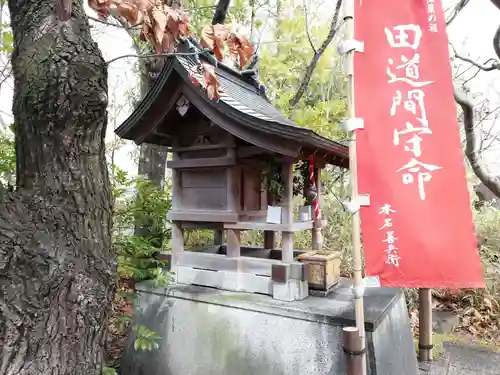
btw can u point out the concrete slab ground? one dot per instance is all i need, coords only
(461, 359)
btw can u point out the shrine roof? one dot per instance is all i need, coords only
(243, 101)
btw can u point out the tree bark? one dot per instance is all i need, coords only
(56, 263)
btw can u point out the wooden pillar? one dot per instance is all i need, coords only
(177, 241)
(233, 204)
(176, 185)
(177, 231)
(270, 235)
(317, 236)
(233, 184)
(218, 237)
(425, 325)
(269, 239)
(287, 206)
(233, 243)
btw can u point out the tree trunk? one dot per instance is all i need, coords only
(56, 263)
(152, 158)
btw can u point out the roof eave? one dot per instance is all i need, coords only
(127, 129)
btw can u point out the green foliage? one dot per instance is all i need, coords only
(136, 259)
(282, 66)
(149, 206)
(6, 38)
(122, 321)
(272, 179)
(145, 212)
(108, 371)
(145, 339)
(7, 157)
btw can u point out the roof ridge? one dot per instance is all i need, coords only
(246, 75)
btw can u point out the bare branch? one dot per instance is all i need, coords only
(458, 8)
(121, 25)
(152, 56)
(306, 18)
(317, 55)
(487, 66)
(471, 144)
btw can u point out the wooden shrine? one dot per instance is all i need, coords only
(219, 151)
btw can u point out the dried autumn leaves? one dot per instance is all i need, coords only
(215, 36)
(163, 25)
(240, 49)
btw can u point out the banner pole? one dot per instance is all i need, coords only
(348, 17)
(425, 324)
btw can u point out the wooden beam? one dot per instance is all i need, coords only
(161, 135)
(253, 215)
(203, 215)
(197, 147)
(220, 262)
(248, 151)
(283, 159)
(202, 225)
(253, 163)
(223, 161)
(252, 225)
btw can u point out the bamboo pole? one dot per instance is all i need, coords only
(348, 10)
(352, 347)
(425, 325)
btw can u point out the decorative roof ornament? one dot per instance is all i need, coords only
(182, 105)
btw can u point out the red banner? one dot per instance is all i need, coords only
(418, 229)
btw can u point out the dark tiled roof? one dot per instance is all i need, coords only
(239, 93)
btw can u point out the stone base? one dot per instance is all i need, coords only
(291, 290)
(206, 331)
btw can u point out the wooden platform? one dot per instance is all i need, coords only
(252, 225)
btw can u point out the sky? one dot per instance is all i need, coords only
(471, 34)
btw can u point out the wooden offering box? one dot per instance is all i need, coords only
(324, 269)
(220, 150)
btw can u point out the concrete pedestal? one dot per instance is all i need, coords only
(212, 332)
